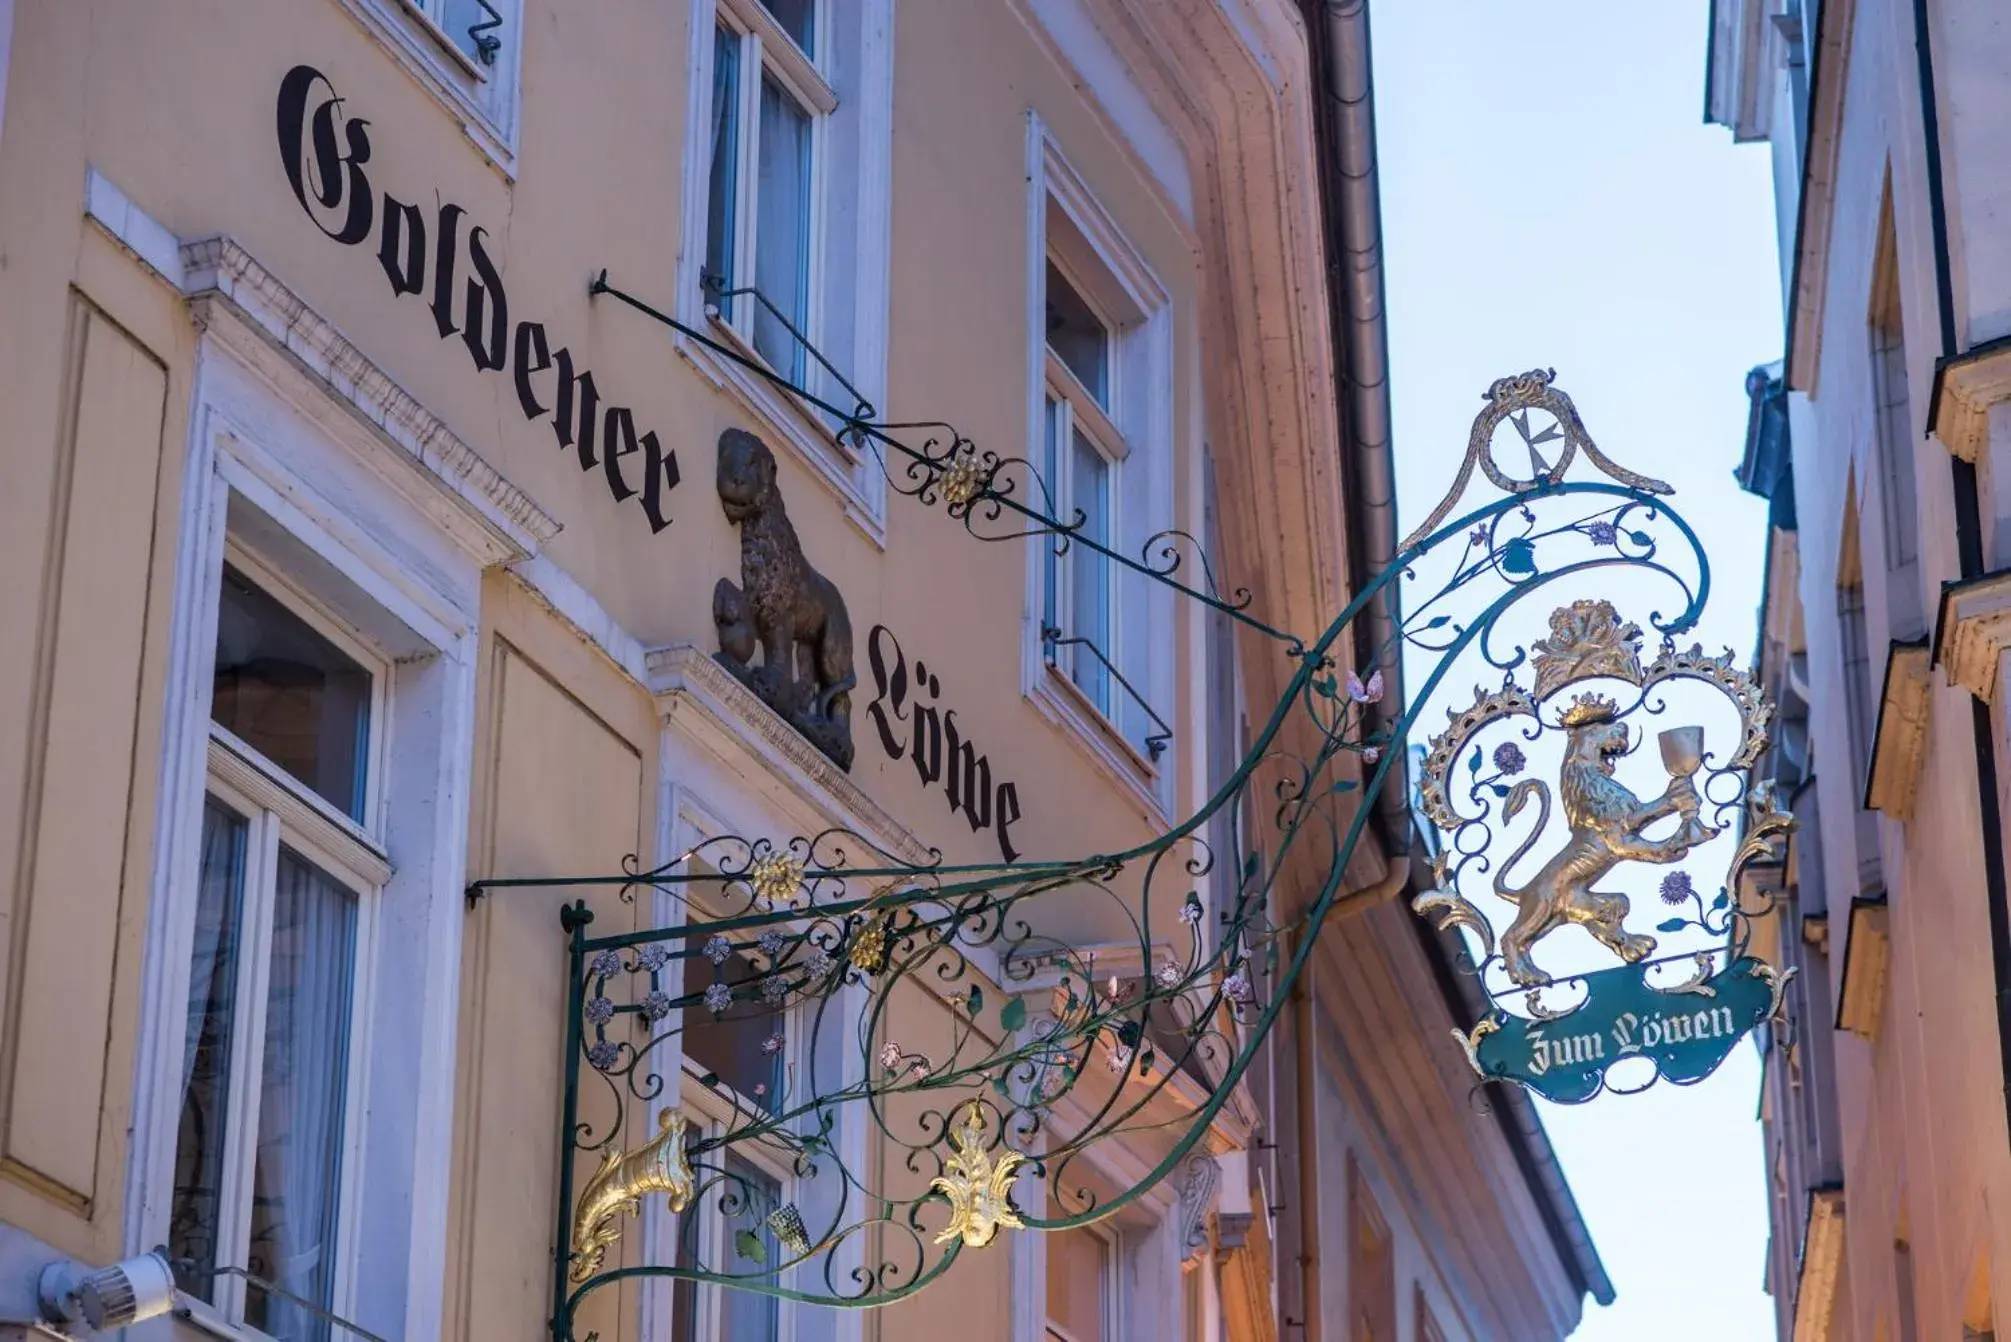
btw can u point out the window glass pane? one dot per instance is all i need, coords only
(782, 229)
(199, 1141)
(290, 694)
(467, 22)
(1089, 594)
(298, 1165)
(1077, 335)
(1050, 562)
(722, 209)
(798, 19)
(1078, 1273)
(747, 1196)
(736, 1046)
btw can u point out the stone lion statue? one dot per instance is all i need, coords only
(784, 607)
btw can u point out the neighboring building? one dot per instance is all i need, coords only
(357, 552)
(1883, 443)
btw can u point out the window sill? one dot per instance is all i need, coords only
(203, 1318)
(440, 67)
(1061, 703)
(852, 478)
(443, 42)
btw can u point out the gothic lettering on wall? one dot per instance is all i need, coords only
(912, 724)
(792, 613)
(447, 261)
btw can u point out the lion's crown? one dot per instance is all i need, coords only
(1587, 709)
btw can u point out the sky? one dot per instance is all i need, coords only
(1552, 198)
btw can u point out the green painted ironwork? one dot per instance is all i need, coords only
(1058, 1047)
(1682, 1035)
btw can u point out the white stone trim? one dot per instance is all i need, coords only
(1967, 391)
(703, 701)
(134, 229)
(1899, 743)
(224, 281)
(1975, 633)
(276, 462)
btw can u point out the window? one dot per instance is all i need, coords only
(1081, 1295)
(1083, 453)
(465, 53)
(1372, 1286)
(787, 218)
(736, 1063)
(1892, 429)
(286, 877)
(1860, 698)
(1101, 637)
(768, 98)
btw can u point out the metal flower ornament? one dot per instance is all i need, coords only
(957, 1049)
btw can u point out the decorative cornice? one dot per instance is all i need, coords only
(220, 277)
(1821, 1267)
(1973, 631)
(1965, 390)
(1861, 999)
(1900, 741)
(691, 689)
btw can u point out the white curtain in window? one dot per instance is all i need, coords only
(782, 227)
(722, 210)
(199, 1142)
(300, 1103)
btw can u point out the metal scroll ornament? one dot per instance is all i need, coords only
(925, 1057)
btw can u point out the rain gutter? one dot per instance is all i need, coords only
(1345, 135)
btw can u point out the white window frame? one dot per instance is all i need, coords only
(1134, 429)
(315, 507)
(1144, 1296)
(848, 89)
(483, 96)
(278, 809)
(1111, 1327)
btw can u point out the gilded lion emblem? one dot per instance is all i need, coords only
(1606, 829)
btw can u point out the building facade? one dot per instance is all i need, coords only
(1881, 440)
(368, 545)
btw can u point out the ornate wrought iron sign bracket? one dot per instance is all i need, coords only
(931, 1011)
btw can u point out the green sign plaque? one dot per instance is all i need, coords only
(1686, 1031)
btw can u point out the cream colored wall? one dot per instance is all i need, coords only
(174, 103)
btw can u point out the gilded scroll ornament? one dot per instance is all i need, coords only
(1587, 638)
(979, 1191)
(618, 1187)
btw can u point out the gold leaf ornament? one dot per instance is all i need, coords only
(979, 1192)
(618, 1186)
